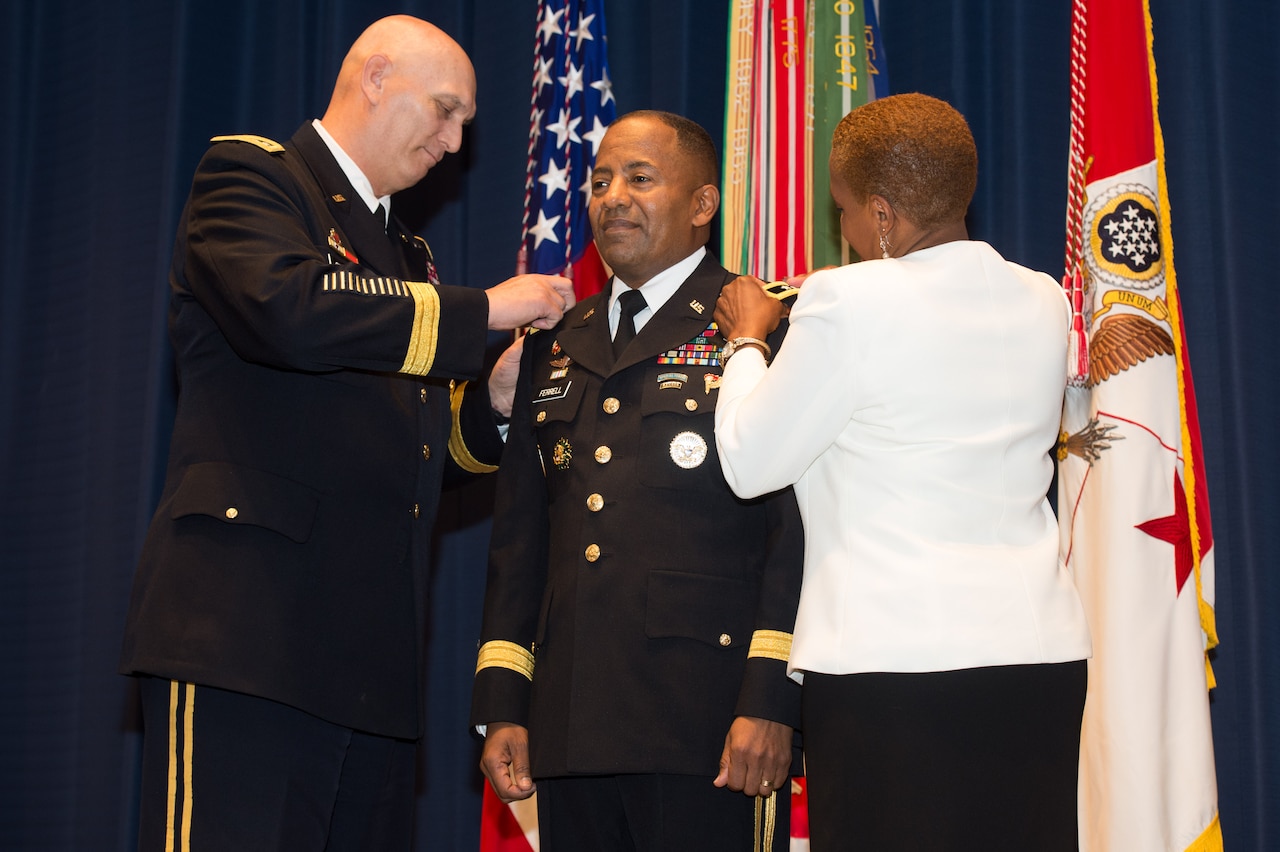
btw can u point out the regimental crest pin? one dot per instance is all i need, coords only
(335, 243)
(710, 381)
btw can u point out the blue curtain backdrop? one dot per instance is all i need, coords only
(107, 107)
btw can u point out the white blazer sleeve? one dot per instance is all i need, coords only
(772, 421)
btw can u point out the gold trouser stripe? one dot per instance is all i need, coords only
(773, 644)
(766, 822)
(171, 798)
(421, 354)
(505, 655)
(457, 445)
(172, 840)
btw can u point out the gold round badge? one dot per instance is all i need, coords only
(688, 450)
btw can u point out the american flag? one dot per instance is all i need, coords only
(571, 105)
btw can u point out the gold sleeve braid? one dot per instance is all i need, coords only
(505, 655)
(457, 445)
(772, 644)
(421, 352)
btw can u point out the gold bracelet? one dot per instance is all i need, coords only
(738, 342)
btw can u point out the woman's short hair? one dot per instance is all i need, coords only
(915, 150)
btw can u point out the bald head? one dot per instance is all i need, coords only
(403, 95)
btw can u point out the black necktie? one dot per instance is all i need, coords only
(632, 303)
(383, 218)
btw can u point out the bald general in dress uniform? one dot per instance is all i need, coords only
(638, 616)
(278, 611)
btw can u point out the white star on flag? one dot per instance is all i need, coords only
(604, 86)
(555, 179)
(544, 230)
(594, 135)
(565, 127)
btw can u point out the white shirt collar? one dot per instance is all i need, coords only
(657, 290)
(360, 183)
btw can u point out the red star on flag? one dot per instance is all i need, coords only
(1175, 529)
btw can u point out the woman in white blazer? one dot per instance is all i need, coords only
(914, 407)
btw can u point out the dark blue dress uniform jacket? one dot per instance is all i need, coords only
(634, 604)
(317, 417)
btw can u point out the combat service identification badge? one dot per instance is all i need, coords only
(688, 450)
(561, 453)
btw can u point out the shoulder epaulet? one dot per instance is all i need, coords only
(782, 291)
(271, 146)
(423, 245)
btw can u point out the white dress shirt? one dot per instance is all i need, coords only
(656, 290)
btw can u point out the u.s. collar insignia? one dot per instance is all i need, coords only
(335, 243)
(697, 306)
(589, 314)
(561, 454)
(688, 450)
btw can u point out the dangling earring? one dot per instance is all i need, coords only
(884, 246)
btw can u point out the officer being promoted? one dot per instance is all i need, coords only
(638, 615)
